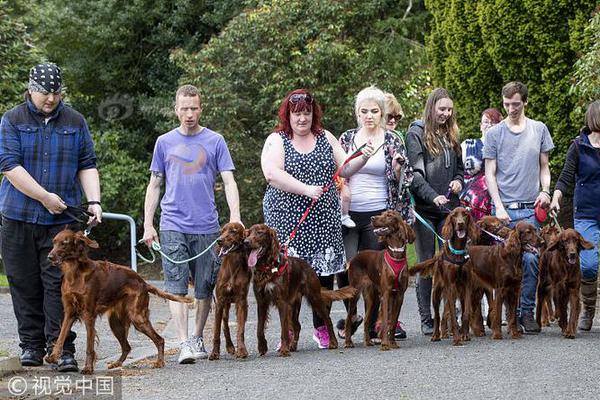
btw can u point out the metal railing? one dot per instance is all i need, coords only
(132, 234)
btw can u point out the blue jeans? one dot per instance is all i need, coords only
(530, 262)
(588, 259)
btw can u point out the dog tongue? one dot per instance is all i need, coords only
(461, 234)
(253, 258)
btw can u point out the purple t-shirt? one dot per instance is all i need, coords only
(190, 165)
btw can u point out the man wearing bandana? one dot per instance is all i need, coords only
(47, 158)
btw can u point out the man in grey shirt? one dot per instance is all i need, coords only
(516, 153)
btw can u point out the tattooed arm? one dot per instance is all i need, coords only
(150, 204)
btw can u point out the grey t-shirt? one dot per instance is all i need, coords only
(517, 158)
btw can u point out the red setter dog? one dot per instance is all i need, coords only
(547, 235)
(233, 282)
(499, 267)
(92, 288)
(487, 225)
(451, 279)
(560, 275)
(381, 274)
(283, 281)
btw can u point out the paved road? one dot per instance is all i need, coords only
(543, 366)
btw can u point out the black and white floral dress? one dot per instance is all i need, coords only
(319, 239)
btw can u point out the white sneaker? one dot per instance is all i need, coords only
(186, 354)
(197, 345)
(347, 221)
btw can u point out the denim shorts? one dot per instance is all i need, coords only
(203, 270)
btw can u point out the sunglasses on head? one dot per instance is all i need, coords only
(298, 97)
(396, 117)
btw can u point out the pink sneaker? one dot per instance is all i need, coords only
(321, 336)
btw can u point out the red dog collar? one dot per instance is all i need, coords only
(396, 265)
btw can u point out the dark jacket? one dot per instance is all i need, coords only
(582, 172)
(432, 175)
(52, 152)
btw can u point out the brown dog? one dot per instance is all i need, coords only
(92, 288)
(233, 282)
(499, 267)
(381, 274)
(488, 225)
(560, 275)
(283, 281)
(547, 235)
(451, 278)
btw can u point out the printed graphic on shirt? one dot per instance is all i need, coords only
(191, 159)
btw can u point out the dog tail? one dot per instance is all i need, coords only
(423, 268)
(168, 296)
(344, 293)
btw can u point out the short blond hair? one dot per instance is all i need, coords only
(392, 107)
(371, 93)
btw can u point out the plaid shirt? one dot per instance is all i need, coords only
(52, 152)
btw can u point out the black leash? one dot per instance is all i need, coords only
(82, 215)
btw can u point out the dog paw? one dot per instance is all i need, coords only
(393, 345)
(445, 335)
(158, 364)
(457, 343)
(385, 347)
(348, 345)
(213, 356)
(284, 353)
(262, 347)
(241, 353)
(497, 336)
(51, 358)
(87, 371)
(294, 346)
(115, 364)
(230, 349)
(435, 338)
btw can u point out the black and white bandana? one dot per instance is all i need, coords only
(45, 78)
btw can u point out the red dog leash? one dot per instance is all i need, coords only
(356, 154)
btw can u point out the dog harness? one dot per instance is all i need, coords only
(397, 266)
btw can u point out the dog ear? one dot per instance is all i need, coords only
(584, 244)
(448, 226)
(554, 243)
(274, 244)
(472, 229)
(410, 233)
(86, 240)
(514, 241)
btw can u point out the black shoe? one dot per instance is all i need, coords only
(400, 333)
(32, 358)
(341, 326)
(529, 324)
(67, 363)
(427, 327)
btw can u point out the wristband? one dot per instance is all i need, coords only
(547, 192)
(89, 203)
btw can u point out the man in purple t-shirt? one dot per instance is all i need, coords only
(188, 159)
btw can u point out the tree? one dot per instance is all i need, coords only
(477, 46)
(17, 55)
(333, 48)
(586, 84)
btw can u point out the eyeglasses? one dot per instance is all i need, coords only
(298, 97)
(396, 117)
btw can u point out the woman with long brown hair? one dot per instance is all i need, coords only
(434, 153)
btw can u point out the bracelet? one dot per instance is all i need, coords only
(547, 192)
(89, 203)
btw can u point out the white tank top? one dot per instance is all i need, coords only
(369, 185)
